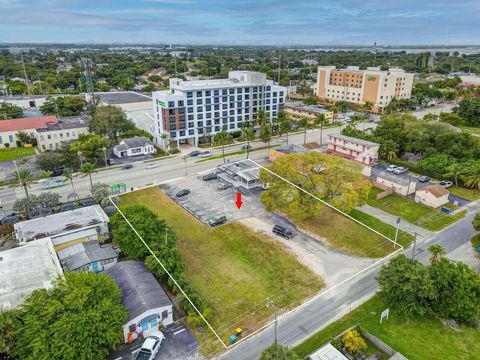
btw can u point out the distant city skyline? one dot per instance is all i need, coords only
(242, 22)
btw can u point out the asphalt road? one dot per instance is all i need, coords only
(332, 305)
(166, 169)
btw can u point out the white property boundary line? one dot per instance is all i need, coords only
(287, 313)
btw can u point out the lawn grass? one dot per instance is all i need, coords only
(15, 153)
(409, 210)
(472, 130)
(233, 269)
(349, 236)
(421, 338)
(469, 194)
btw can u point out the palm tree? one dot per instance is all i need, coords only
(454, 171)
(476, 222)
(222, 138)
(473, 178)
(437, 252)
(304, 123)
(24, 177)
(68, 175)
(88, 169)
(248, 135)
(166, 142)
(321, 120)
(266, 134)
(262, 117)
(45, 174)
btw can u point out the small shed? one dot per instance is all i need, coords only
(147, 303)
(432, 195)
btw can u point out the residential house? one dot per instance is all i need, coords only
(400, 185)
(138, 145)
(66, 228)
(27, 268)
(432, 195)
(297, 110)
(365, 152)
(87, 256)
(10, 128)
(67, 129)
(147, 303)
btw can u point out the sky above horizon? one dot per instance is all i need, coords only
(261, 22)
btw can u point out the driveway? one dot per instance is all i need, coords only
(179, 344)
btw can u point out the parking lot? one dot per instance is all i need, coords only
(205, 201)
(179, 344)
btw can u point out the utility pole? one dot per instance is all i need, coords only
(271, 303)
(399, 219)
(279, 66)
(375, 54)
(87, 64)
(25, 75)
(414, 246)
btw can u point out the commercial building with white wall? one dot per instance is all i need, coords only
(360, 86)
(191, 110)
(67, 129)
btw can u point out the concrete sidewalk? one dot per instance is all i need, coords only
(422, 234)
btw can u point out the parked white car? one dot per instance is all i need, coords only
(390, 168)
(151, 346)
(400, 170)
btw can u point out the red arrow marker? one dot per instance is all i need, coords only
(239, 201)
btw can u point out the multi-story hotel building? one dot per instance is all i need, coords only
(360, 86)
(192, 110)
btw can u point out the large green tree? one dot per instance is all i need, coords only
(23, 177)
(469, 110)
(90, 146)
(407, 286)
(10, 111)
(81, 317)
(49, 160)
(64, 106)
(221, 139)
(328, 178)
(248, 134)
(110, 121)
(458, 288)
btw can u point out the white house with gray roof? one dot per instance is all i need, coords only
(147, 303)
(136, 146)
(87, 256)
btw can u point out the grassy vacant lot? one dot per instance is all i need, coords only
(233, 269)
(15, 153)
(472, 130)
(469, 194)
(408, 209)
(346, 235)
(422, 338)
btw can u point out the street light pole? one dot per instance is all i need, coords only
(105, 155)
(399, 219)
(414, 246)
(186, 165)
(271, 303)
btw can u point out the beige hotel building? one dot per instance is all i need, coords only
(359, 86)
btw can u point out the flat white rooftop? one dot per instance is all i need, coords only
(328, 352)
(25, 269)
(60, 223)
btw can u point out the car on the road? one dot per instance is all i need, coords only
(424, 179)
(182, 193)
(151, 346)
(282, 231)
(390, 168)
(205, 154)
(151, 166)
(400, 170)
(446, 184)
(127, 166)
(194, 153)
(217, 220)
(246, 147)
(224, 186)
(210, 176)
